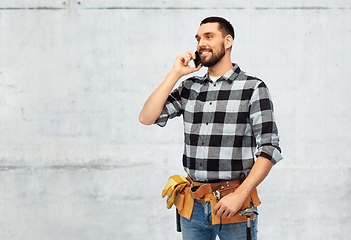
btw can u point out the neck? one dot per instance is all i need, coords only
(222, 67)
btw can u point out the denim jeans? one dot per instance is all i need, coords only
(200, 227)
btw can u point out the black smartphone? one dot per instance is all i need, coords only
(197, 60)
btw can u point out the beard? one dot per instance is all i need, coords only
(216, 57)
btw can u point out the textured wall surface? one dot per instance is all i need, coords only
(75, 163)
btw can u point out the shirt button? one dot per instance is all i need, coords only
(210, 103)
(207, 123)
(202, 143)
(214, 85)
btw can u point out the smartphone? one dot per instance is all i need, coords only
(197, 60)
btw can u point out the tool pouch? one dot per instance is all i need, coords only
(177, 190)
(184, 203)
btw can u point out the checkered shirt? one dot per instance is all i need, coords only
(226, 124)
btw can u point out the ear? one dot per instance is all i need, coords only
(228, 42)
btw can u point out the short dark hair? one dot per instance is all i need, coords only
(225, 27)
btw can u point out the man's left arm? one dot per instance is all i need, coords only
(230, 204)
(268, 151)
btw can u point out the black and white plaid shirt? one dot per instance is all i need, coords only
(226, 124)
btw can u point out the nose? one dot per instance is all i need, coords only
(201, 42)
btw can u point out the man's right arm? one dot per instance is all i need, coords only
(154, 105)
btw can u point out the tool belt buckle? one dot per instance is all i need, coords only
(217, 195)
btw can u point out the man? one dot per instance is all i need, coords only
(229, 129)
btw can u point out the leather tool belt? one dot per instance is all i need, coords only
(219, 189)
(212, 192)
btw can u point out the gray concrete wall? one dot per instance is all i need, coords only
(75, 163)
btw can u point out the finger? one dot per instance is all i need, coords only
(179, 59)
(188, 58)
(220, 212)
(216, 208)
(184, 60)
(228, 214)
(192, 54)
(224, 214)
(231, 215)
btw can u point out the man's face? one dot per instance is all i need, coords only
(210, 44)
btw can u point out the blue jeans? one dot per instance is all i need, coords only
(200, 227)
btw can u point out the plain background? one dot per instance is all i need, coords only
(75, 163)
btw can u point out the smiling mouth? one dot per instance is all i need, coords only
(205, 52)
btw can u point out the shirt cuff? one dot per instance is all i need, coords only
(271, 153)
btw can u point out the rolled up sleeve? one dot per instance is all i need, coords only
(263, 124)
(171, 109)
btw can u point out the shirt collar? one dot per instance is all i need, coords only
(229, 76)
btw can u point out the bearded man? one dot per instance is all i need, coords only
(230, 135)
